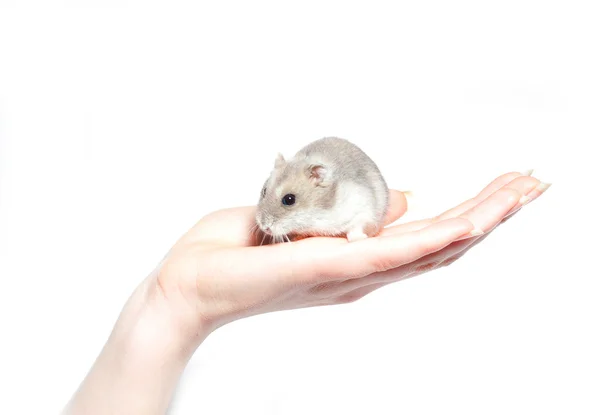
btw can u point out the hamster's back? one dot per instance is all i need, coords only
(349, 164)
(346, 158)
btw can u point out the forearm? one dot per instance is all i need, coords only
(138, 369)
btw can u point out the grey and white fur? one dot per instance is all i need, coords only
(338, 190)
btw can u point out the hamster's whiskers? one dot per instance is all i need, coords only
(278, 239)
(253, 229)
(252, 233)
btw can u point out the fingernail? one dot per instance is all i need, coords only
(542, 187)
(524, 200)
(476, 232)
(527, 172)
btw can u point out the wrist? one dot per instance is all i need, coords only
(150, 325)
(139, 367)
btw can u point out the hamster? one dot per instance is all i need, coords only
(329, 188)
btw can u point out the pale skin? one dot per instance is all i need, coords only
(216, 273)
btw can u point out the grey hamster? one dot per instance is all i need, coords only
(329, 188)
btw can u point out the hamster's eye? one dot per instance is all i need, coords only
(263, 192)
(288, 199)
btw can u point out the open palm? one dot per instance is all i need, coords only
(220, 272)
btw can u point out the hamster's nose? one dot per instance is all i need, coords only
(267, 224)
(263, 222)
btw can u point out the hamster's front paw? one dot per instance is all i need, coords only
(356, 235)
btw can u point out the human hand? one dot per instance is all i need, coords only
(218, 272)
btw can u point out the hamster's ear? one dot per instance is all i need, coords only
(279, 161)
(317, 174)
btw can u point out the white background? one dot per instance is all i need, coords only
(123, 122)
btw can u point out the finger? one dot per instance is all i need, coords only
(457, 249)
(522, 184)
(490, 189)
(353, 290)
(445, 257)
(414, 225)
(357, 259)
(427, 263)
(488, 213)
(487, 191)
(485, 216)
(539, 190)
(530, 197)
(397, 207)
(525, 186)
